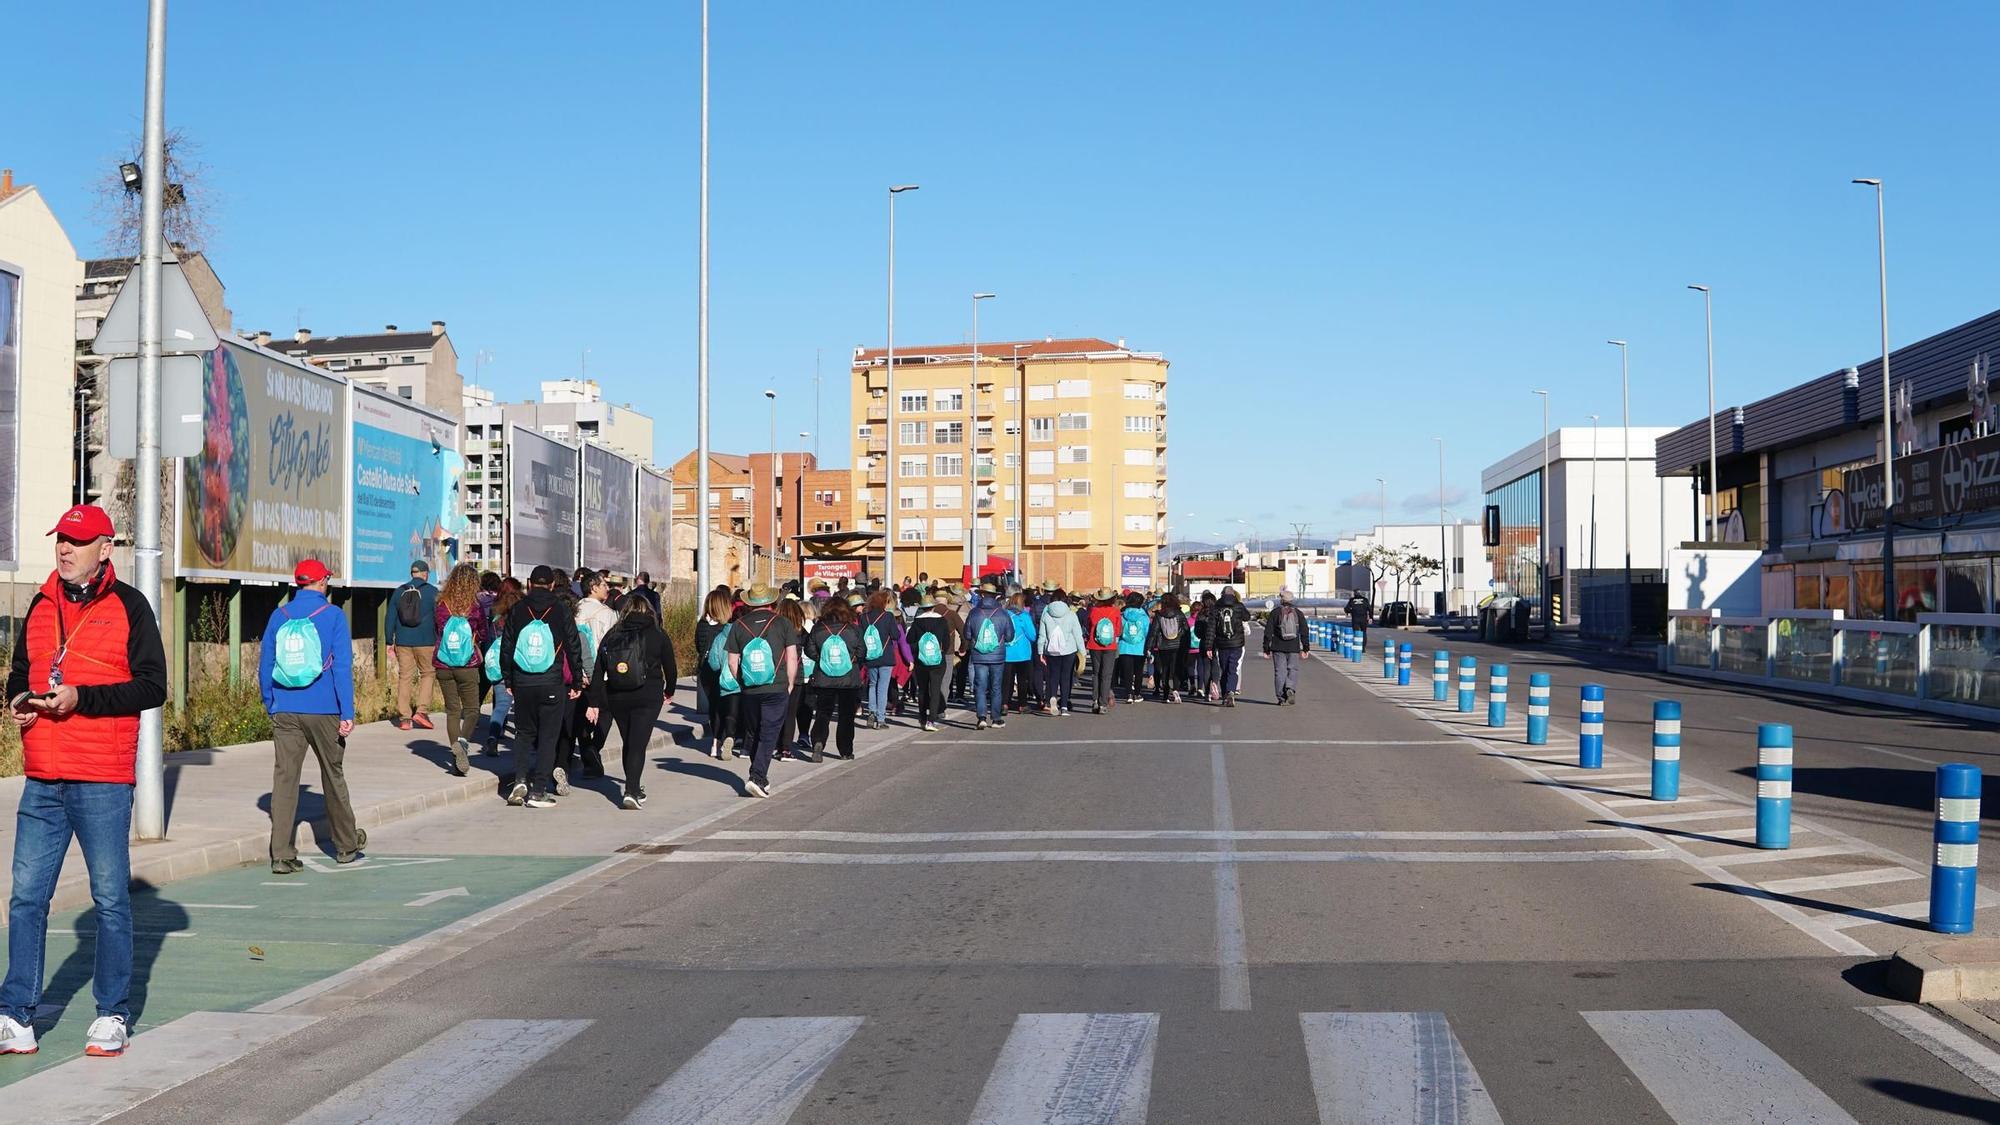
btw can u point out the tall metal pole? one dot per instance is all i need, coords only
(1382, 517)
(1625, 440)
(1714, 480)
(1020, 464)
(777, 482)
(889, 410)
(1593, 496)
(1444, 537)
(149, 807)
(799, 509)
(973, 558)
(1542, 522)
(1888, 429)
(704, 544)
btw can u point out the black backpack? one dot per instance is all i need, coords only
(1228, 630)
(623, 657)
(1288, 623)
(410, 608)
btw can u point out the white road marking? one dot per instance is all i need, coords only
(1601, 775)
(1678, 818)
(1736, 833)
(1843, 879)
(371, 863)
(1960, 1051)
(1240, 835)
(1637, 802)
(756, 1073)
(438, 896)
(837, 859)
(1072, 1069)
(161, 1059)
(1703, 1069)
(447, 1076)
(1232, 959)
(289, 883)
(1901, 912)
(214, 906)
(1370, 1067)
(135, 933)
(1778, 855)
(1142, 743)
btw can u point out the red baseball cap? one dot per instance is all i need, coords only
(84, 522)
(310, 571)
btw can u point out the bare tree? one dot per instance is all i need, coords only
(190, 200)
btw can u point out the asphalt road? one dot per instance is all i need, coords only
(1361, 908)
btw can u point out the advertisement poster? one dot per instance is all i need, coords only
(833, 570)
(10, 418)
(609, 514)
(1135, 569)
(541, 502)
(268, 487)
(656, 525)
(403, 490)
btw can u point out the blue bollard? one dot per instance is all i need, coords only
(1468, 683)
(1496, 696)
(1955, 868)
(1666, 750)
(1440, 676)
(1538, 709)
(1388, 660)
(1403, 665)
(1590, 729)
(1774, 785)
(1354, 653)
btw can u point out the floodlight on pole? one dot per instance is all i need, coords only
(1888, 408)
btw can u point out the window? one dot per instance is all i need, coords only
(1139, 390)
(1073, 520)
(1073, 486)
(1039, 393)
(404, 390)
(1138, 490)
(984, 433)
(1073, 421)
(1041, 460)
(909, 433)
(1140, 457)
(949, 497)
(950, 401)
(1041, 496)
(909, 529)
(1074, 455)
(1011, 427)
(913, 402)
(948, 465)
(1138, 423)
(947, 529)
(680, 499)
(1041, 527)
(1011, 461)
(824, 526)
(739, 494)
(948, 433)
(409, 359)
(1138, 523)
(911, 466)
(864, 432)
(1041, 429)
(910, 499)
(1073, 388)
(827, 496)
(714, 498)
(1009, 493)
(1012, 394)
(1007, 525)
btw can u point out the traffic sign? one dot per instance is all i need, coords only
(180, 406)
(184, 327)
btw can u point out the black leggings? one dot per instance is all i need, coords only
(929, 679)
(1131, 673)
(635, 721)
(1167, 671)
(836, 705)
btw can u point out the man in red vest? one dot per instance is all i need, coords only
(87, 663)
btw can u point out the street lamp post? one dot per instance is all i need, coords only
(972, 556)
(149, 808)
(1542, 530)
(1593, 496)
(889, 409)
(1625, 440)
(1444, 542)
(1714, 481)
(799, 511)
(1888, 430)
(777, 482)
(702, 541)
(1020, 463)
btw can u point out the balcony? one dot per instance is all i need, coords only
(875, 509)
(878, 445)
(878, 476)
(878, 411)
(982, 472)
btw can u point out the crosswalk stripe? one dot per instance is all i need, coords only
(1704, 1069)
(1960, 1051)
(1066, 1068)
(1392, 1066)
(755, 1073)
(1843, 879)
(447, 1076)
(1777, 855)
(1684, 817)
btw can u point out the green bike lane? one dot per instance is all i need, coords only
(232, 940)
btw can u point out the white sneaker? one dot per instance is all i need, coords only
(106, 1037)
(561, 777)
(756, 789)
(17, 1038)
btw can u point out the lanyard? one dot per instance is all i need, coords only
(63, 634)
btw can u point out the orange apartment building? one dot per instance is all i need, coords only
(741, 488)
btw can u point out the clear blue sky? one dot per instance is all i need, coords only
(1349, 227)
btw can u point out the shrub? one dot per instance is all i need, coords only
(217, 715)
(680, 619)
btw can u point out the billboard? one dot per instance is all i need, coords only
(270, 485)
(656, 525)
(10, 417)
(1135, 568)
(833, 569)
(405, 490)
(541, 502)
(609, 515)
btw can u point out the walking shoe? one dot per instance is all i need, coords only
(360, 841)
(931, 727)
(980, 725)
(1001, 721)
(422, 720)
(106, 1037)
(491, 748)
(1229, 700)
(461, 762)
(561, 777)
(736, 749)
(819, 753)
(517, 794)
(541, 801)
(848, 756)
(630, 802)
(17, 1038)
(756, 788)
(402, 724)
(641, 798)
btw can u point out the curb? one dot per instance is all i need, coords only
(1947, 971)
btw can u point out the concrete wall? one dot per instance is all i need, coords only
(1715, 578)
(32, 241)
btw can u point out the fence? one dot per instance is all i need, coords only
(1943, 662)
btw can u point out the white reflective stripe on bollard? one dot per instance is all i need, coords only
(1958, 808)
(1593, 728)
(1774, 755)
(1666, 726)
(1666, 753)
(1958, 855)
(1774, 789)
(1538, 709)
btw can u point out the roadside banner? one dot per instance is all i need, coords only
(541, 502)
(269, 486)
(1135, 568)
(656, 524)
(833, 570)
(405, 489)
(609, 515)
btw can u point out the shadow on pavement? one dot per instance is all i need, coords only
(1941, 1101)
(1906, 788)
(153, 918)
(1818, 904)
(702, 769)
(1871, 977)
(1677, 833)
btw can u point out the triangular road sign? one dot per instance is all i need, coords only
(183, 326)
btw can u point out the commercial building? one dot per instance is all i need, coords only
(746, 491)
(1800, 496)
(1064, 440)
(1455, 546)
(39, 275)
(419, 367)
(1582, 541)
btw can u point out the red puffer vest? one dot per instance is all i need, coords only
(81, 747)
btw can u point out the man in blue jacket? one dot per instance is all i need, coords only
(988, 621)
(318, 715)
(413, 639)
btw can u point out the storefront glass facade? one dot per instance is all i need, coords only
(1517, 561)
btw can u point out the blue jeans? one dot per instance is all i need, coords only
(879, 680)
(99, 815)
(986, 700)
(503, 702)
